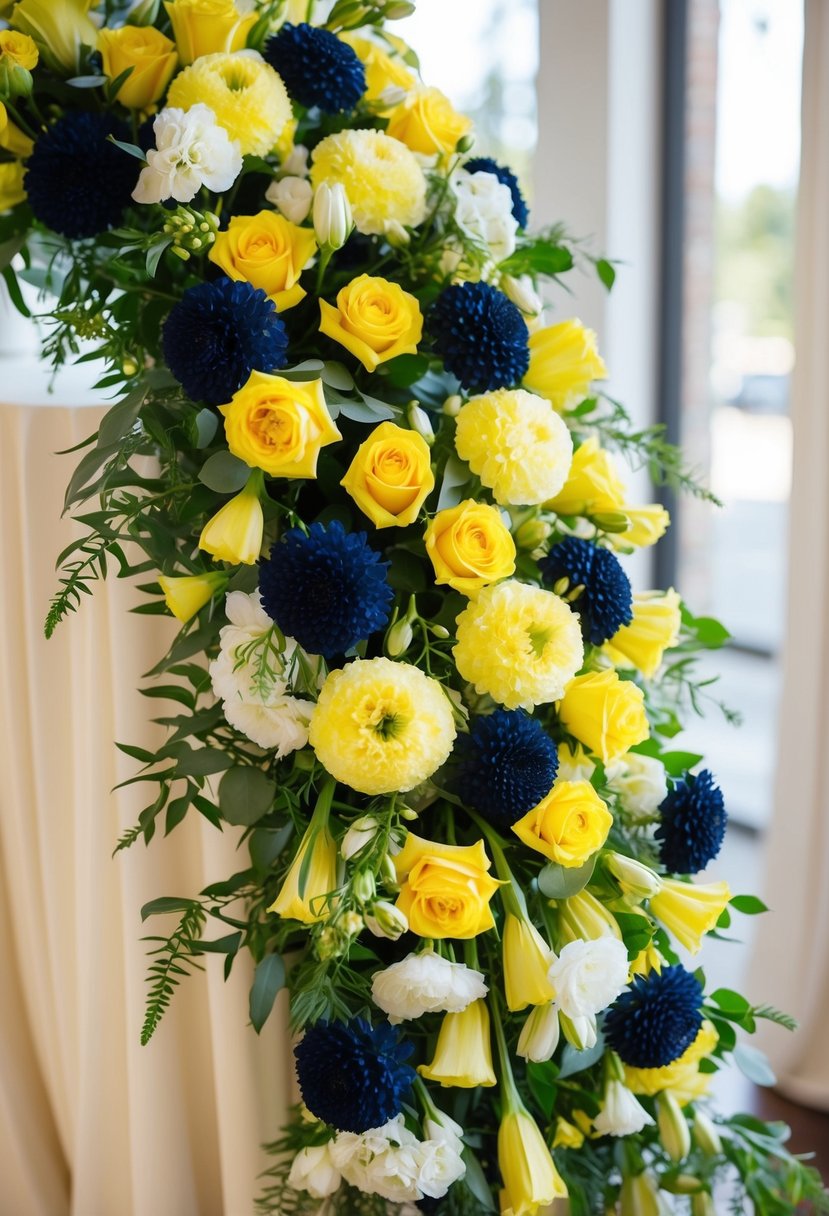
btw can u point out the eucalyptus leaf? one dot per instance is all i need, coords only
(224, 473)
(338, 376)
(245, 795)
(369, 410)
(268, 979)
(574, 1061)
(560, 882)
(455, 477)
(754, 1064)
(207, 423)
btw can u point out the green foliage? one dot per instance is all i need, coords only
(173, 959)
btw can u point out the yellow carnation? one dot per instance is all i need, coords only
(374, 319)
(683, 1077)
(653, 630)
(593, 485)
(445, 888)
(470, 546)
(568, 825)
(245, 93)
(267, 251)
(427, 122)
(279, 425)
(150, 55)
(19, 49)
(564, 360)
(515, 443)
(11, 184)
(519, 644)
(381, 726)
(385, 185)
(605, 713)
(382, 71)
(206, 27)
(390, 476)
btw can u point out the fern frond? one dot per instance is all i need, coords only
(174, 960)
(771, 1014)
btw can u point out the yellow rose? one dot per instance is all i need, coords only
(568, 825)
(12, 138)
(653, 630)
(204, 27)
(11, 184)
(279, 425)
(592, 486)
(267, 251)
(151, 56)
(19, 48)
(469, 546)
(564, 360)
(60, 28)
(428, 123)
(463, 1054)
(374, 319)
(390, 477)
(445, 888)
(382, 71)
(605, 713)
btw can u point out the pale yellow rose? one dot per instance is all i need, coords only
(20, 49)
(11, 184)
(390, 476)
(427, 122)
(593, 485)
(470, 546)
(279, 425)
(445, 888)
(605, 713)
(374, 319)
(267, 251)
(151, 56)
(205, 27)
(568, 825)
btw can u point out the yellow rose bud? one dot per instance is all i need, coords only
(309, 905)
(374, 319)
(584, 917)
(653, 630)
(463, 1054)
(568, 825)
(645, 525)
(527, 960)
(11, 184)
(279, 425)
(19, 49)
(564, 360)
(151, 56)
(267, 251)
(446, 888)
(391, 476)
(530, 1177)
(234, 534)
(605, 713)
(203, 27)
(690, 910)
(59, 28)
(187, 593)
(382, 71)
(427, 122)
(470, 546)
(593, 484)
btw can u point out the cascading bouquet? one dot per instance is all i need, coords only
(411, 667)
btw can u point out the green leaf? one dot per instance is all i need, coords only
(474, 1180)
(207, 423)
(573, 1061)
(220, 945)
(606, 273)
(201, 762)
(369, 410)
(10, 248)
(245, 795)
(267, 981)
(224, 473)
(404, 370)
(754, 1064)
(730, 1001)
(131, 149)
(560, 882)
(538, 257)
(265, 845)
(749, 905)
(154, 255)
(87, 82)
(336, 375)
(455, 477)
(167, 903)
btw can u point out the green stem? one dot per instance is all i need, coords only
(512, 1099)
(511, 894)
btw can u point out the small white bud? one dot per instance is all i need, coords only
(452, 406)
(539, 1034)
(361, 833)
(637, 881)
(420, 421)
(292, 197)
(332, 215)
(296, 163)
(674, 1132)
(364, 887)
(384, 920)
(706, 1134)
(522, 293)
(399, 638)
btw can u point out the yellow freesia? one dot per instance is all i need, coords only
(593, 485)
(653, 630)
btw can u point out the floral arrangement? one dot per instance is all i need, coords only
(382, 500)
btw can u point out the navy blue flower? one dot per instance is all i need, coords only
(328, 589)
(606, 603)
(506, 765)
(485, 164)
(78, 182)
(352, 1075)
(480, 335)
(219, 333)
(693, 824)
(317, 67)
(659, 1016)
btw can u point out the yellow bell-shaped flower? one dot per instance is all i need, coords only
(690, 910)
(463, 1054)
(585, 917)
(653, 630)
(307, 904)
(527, 959)
(185, 594)
(564, 360)
(530, 1177)
(234, 534)
(646, 525)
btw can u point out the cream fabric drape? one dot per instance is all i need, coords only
(791, 963)
(91, 1123)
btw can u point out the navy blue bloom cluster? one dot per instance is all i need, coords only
(352, 1075)
(506, 765)
(327, 589)
(480, 335)
(318, 69)
(78, 182)
(653, 1023)
(217, 334)
(606, 603)
(485, 164)
(693, 824)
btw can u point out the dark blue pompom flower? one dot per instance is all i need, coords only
(606, 603)
(480, 335)
(507, 764)
(317, 68)
(219, 333)
(484, 164)
(327, 589)
(659, 1016)
(78, 183)
(693, 824)
(352, 1075)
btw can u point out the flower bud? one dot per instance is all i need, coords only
(398, 9)
(702, 1205)
(186, 594)
(361, 833)
(396, 234)
(144, 13)
(466, 142)
(332, 215)
(440, 631)
(532, 533)
(384, 920)
(409, 813)
(522, 293)
(640, 1197)
(539, 1035)
(681, 1184)
(674, 1132)
(637, 881)
(706, 1135)
(392, 96)
(364, 887)
(292, 197)
(579, 1032)
(452, 406)
(296, 163)
(420, 421)
(15, 80)
(611, 521)
(399, 638)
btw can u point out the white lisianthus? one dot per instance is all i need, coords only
(425, 983)
(539, 1034)
(191, 151)
(588, 975)
(393, 1174)
(292, 197)
(440, 1126)
(314, 1171)
(640, 783)
(381, 1161)
(622, 1114)
(439, 1165)
(484, 212)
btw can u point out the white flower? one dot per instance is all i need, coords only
(588, 975)
(574, 766)
(522, 293)
(191, 151)
(622, 1114)
(484, 212)
(292, 196)
(361, 833)
(385, 920)
(581, 1033)
(332, 215)
(539, 1034)
(313, 1170)
(360, 1160)
(296, 163)
(393, 1174)
(640, 783)
(443, 1127)
(439, 1165)
(425, 983)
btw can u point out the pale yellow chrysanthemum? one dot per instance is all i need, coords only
(381, 726)
(245, 93)
(382, 178)
(519, 644)
(517, 445)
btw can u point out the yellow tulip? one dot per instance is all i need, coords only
(308, 905)
(463, 1054)
(690, 910)
(527, 959)
(530, 1177)
(185, 594)
(564, 360)
(205, 27)
(234, 534)
(59, 28)
(654, 629)
(150, 55)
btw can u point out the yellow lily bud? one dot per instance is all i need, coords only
(584, 916)
(653, 630)
(690, 910)
(702, 1204)
(463, 1054)
(234, 534)
(527, 959)
(706, 1135)
(640, 1197)
(308, 906)
(673, 1127)
(564, 359)
(530, 1177)
(185, 594)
